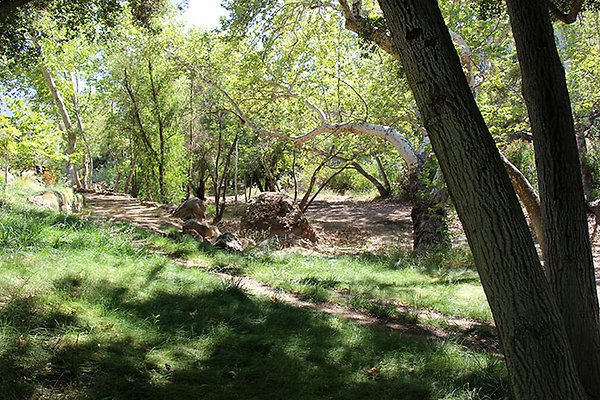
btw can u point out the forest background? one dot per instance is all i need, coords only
(285, 96)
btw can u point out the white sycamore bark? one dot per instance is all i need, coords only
(401, 144)
(70, 136)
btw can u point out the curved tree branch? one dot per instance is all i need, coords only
(364, 28)
(528, 197)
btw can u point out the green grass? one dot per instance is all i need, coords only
(450, 291)
(453, 289)
(87, 312)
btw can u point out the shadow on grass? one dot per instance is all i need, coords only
(222, 344)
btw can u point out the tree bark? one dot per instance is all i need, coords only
(383, 175)
(538, 355)
(71, 136)
(567, 246)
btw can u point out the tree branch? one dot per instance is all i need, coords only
(365, 29)
(138, 118)
(568, 18)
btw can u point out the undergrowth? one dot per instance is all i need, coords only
(87, 311)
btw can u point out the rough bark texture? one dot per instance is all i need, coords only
(538, 355)
(567, 247)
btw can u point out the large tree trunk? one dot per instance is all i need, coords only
(538, 355)
(567, 246)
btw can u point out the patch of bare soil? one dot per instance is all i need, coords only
(349, 225)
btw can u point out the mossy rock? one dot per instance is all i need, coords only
(64, 199)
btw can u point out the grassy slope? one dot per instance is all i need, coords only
(85, 312)
(446, 283)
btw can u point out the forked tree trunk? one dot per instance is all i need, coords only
(538, 355)
(567, 246)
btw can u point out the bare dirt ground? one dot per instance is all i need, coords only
(343, 224)
(352, 225)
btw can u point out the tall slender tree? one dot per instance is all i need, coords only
(567, 246)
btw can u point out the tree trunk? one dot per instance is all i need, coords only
(428, 215)
(384, 193)
(538, 355)
(294, 175)
(223, 183)
(567, 246)
(201, 188)
(383, 175)
(235, 178)
(71, 136)
(311, 184)
(586, 172)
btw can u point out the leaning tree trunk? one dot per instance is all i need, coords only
(528, 197)
(567, 246)
(538, 355)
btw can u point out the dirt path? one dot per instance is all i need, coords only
(126, 208)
